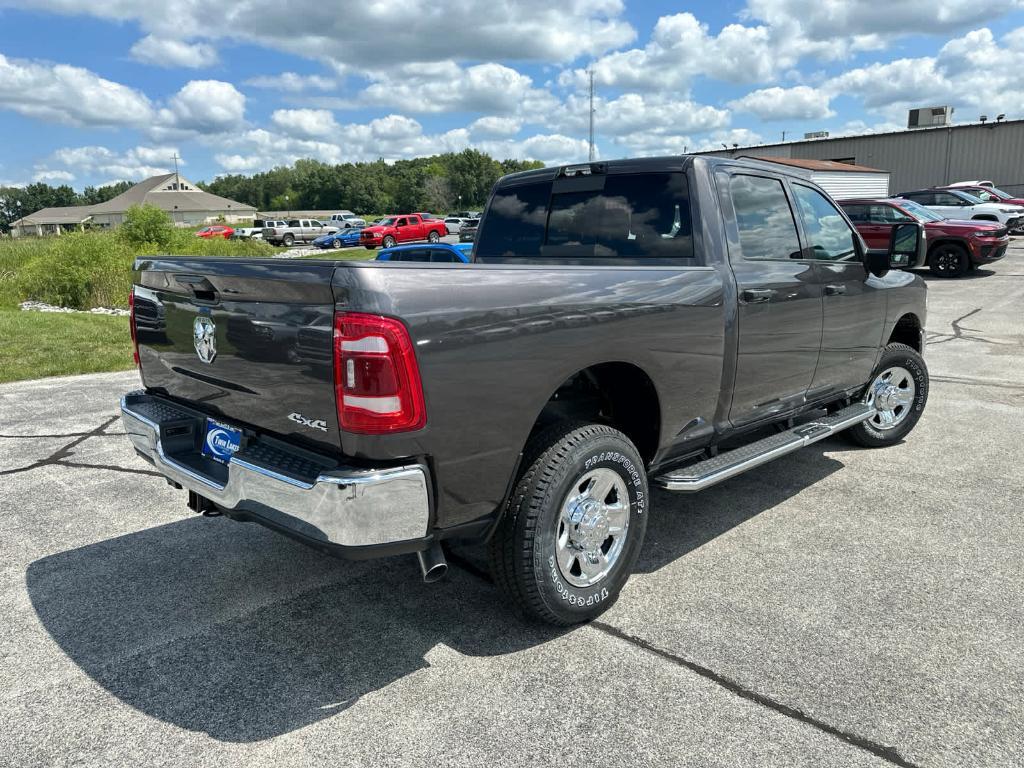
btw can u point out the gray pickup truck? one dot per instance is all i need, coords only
(288, 233)
(666, 321)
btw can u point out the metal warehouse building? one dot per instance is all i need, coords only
(924, 157)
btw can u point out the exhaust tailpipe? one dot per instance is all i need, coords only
(432, 563)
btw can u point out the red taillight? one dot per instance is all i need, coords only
(131, 324)
(376, 378)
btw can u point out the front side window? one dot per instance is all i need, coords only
(886, 214)
(829, 237)
(402, 223)
(766, 226)
(945, 198)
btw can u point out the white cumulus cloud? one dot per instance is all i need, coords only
(171, 52)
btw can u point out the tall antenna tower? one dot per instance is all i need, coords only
(591, 73)
(177, 180)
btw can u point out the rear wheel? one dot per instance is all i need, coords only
(388, 242)
(898, 391)
(948, 260)
(575, 523)
(433, 237)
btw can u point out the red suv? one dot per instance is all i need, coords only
(953, 246)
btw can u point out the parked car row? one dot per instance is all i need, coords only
(955, 203)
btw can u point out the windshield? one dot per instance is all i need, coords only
(919, 212)
(387, 222)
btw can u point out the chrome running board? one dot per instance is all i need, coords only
(704, 474)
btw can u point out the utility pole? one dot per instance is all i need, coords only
(177, 181)
(783, 135)
(591, 73)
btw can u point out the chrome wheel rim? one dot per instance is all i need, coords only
(592, 525)
(892, 395)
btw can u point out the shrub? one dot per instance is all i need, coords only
(80, 270)
(146, 224)
(93, 269)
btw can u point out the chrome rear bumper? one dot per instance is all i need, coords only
(285, 487)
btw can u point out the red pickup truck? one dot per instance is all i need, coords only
(402, 229)
(954, 247)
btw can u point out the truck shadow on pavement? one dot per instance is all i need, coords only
(228, 629)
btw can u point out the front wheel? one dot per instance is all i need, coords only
(388, 242)
(288, 240)
(335, 243)
(948, 260)
(433, 237)
(898, 391)
(573, 528)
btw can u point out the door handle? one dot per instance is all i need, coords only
(834, 290)
(756, 295)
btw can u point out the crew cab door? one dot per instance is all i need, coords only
(853, 302)
(779, 303)
(402, 229)
(416, 229)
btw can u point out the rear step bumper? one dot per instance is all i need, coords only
(289, 489)
(704, 474)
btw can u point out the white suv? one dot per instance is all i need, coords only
(954, 204)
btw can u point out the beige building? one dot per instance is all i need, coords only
(187, 205)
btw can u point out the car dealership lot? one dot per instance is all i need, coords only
(839, 606)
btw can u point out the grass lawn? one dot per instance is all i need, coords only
(38, 344)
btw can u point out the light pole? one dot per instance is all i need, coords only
(286, 205)
(460, 202)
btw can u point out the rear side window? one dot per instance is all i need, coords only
(829, 237)
(858, 213)
(419, 254)
(766, 226)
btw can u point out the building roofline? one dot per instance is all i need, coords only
(991, 125)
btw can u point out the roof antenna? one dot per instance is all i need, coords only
(590, 72)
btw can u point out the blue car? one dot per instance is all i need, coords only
(458, 253)
(345, 238)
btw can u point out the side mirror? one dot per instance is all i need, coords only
(905, 245)
(904, 250)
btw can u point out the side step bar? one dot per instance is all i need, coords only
(704, 474)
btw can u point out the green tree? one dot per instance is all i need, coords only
(146, 224)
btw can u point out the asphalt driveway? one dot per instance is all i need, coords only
(838, 607)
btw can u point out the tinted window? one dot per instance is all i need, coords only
(514, 224)
(294, 223)
(887, 214)
(443, 255)
(945, 198)
(765, 222)
(635, 216)
(920, 212)
(828, 235)
(857, 213)
(923, 198)
(419, 254)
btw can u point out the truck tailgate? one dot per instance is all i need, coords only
(248, 341)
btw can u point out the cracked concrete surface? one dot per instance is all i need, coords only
(837, 607)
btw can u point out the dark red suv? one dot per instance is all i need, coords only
(954, 247)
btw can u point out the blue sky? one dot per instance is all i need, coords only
(96, 92)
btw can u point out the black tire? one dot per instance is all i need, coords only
(288, 240)
(433, 237)
(335, 243)
(948, 260)
(388, 242)
(872, 433)
(524, 547)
